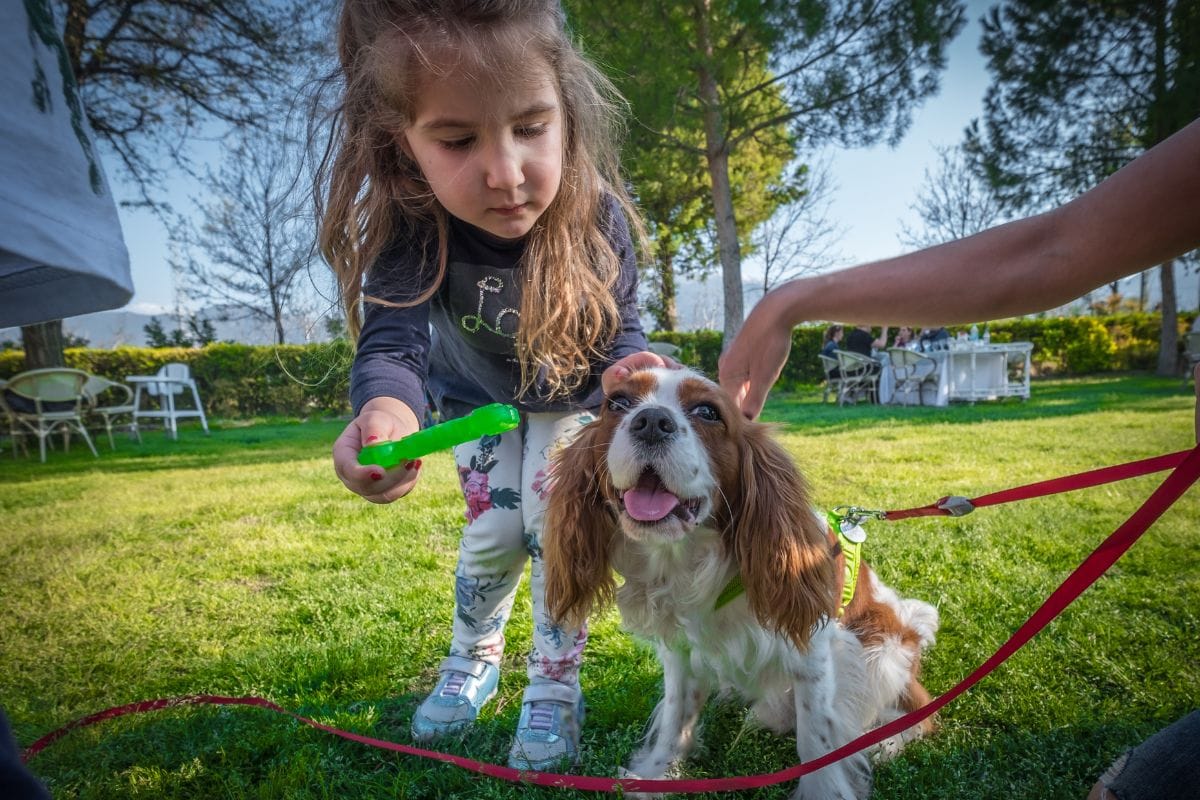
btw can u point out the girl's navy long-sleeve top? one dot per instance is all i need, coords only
(458, 347)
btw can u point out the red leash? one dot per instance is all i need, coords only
(1186, 472)
(958, 506)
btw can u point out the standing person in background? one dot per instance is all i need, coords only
(472, 185)
(1145, 213)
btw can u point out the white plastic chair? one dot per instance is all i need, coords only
(42, 401)
(911, 370)
(110, 400)
(170, 382)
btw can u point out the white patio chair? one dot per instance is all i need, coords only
(833, 383)
(110, 400)
(42, 401)
(911, 370)
(860, 376)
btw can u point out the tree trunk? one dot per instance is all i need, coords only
(717, 154)
(1168, 341)
(667, 315)
(728, 247)
(43, 343)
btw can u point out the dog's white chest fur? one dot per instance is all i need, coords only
(669, 596)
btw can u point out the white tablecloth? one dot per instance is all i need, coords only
(970, 372)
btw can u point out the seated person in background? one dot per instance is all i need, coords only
(860, 341)
(934, 339)
(904, 337)
(833, 337)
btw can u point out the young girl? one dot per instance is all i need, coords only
(472, 185)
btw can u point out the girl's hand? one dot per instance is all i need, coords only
(622, 369)
(381, 419)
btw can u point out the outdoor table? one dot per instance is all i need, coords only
(971, 371)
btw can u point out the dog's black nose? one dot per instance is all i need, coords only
(652, 425)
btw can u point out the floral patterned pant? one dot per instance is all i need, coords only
(504, 484)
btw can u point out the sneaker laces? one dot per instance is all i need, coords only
(541, 717)
(454, 684)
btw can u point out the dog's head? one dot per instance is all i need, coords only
(669, 452)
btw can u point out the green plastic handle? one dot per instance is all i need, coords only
(484, 421)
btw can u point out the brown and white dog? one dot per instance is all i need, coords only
(674, 490)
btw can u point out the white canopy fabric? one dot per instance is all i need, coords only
(61, 249)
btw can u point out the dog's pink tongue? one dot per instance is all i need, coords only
(649, 501)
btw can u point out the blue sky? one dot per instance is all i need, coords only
(873, 187)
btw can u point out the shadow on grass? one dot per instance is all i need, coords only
(262, 443)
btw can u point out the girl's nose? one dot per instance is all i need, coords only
(503, 167)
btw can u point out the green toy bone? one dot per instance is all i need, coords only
(484, 421)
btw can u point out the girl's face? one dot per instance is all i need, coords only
(493, 159)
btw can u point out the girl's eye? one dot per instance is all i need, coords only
(531, 131)
(707, 412)
(619, 404)
(458, 144)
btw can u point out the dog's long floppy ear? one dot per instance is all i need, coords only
(578, 535)
(781, 547)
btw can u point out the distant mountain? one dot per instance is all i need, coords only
(700, 305)
(106, 329)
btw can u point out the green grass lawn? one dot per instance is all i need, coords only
(238, 564)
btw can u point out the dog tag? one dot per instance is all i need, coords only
(854, 533)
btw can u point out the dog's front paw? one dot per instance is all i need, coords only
(848, 779)
(652, 765)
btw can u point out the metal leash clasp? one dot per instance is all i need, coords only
(856, 514)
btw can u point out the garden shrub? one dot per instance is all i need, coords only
(239, 380)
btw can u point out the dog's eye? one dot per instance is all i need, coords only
(619, 404)
(706, 412)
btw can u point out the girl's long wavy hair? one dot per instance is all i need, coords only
(368, 191)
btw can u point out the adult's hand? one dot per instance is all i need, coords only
(752, 362)
(622, 369)
(381, 420)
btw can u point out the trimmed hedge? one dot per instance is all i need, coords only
(1061, 345)
(234, 380)
(240, 381)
